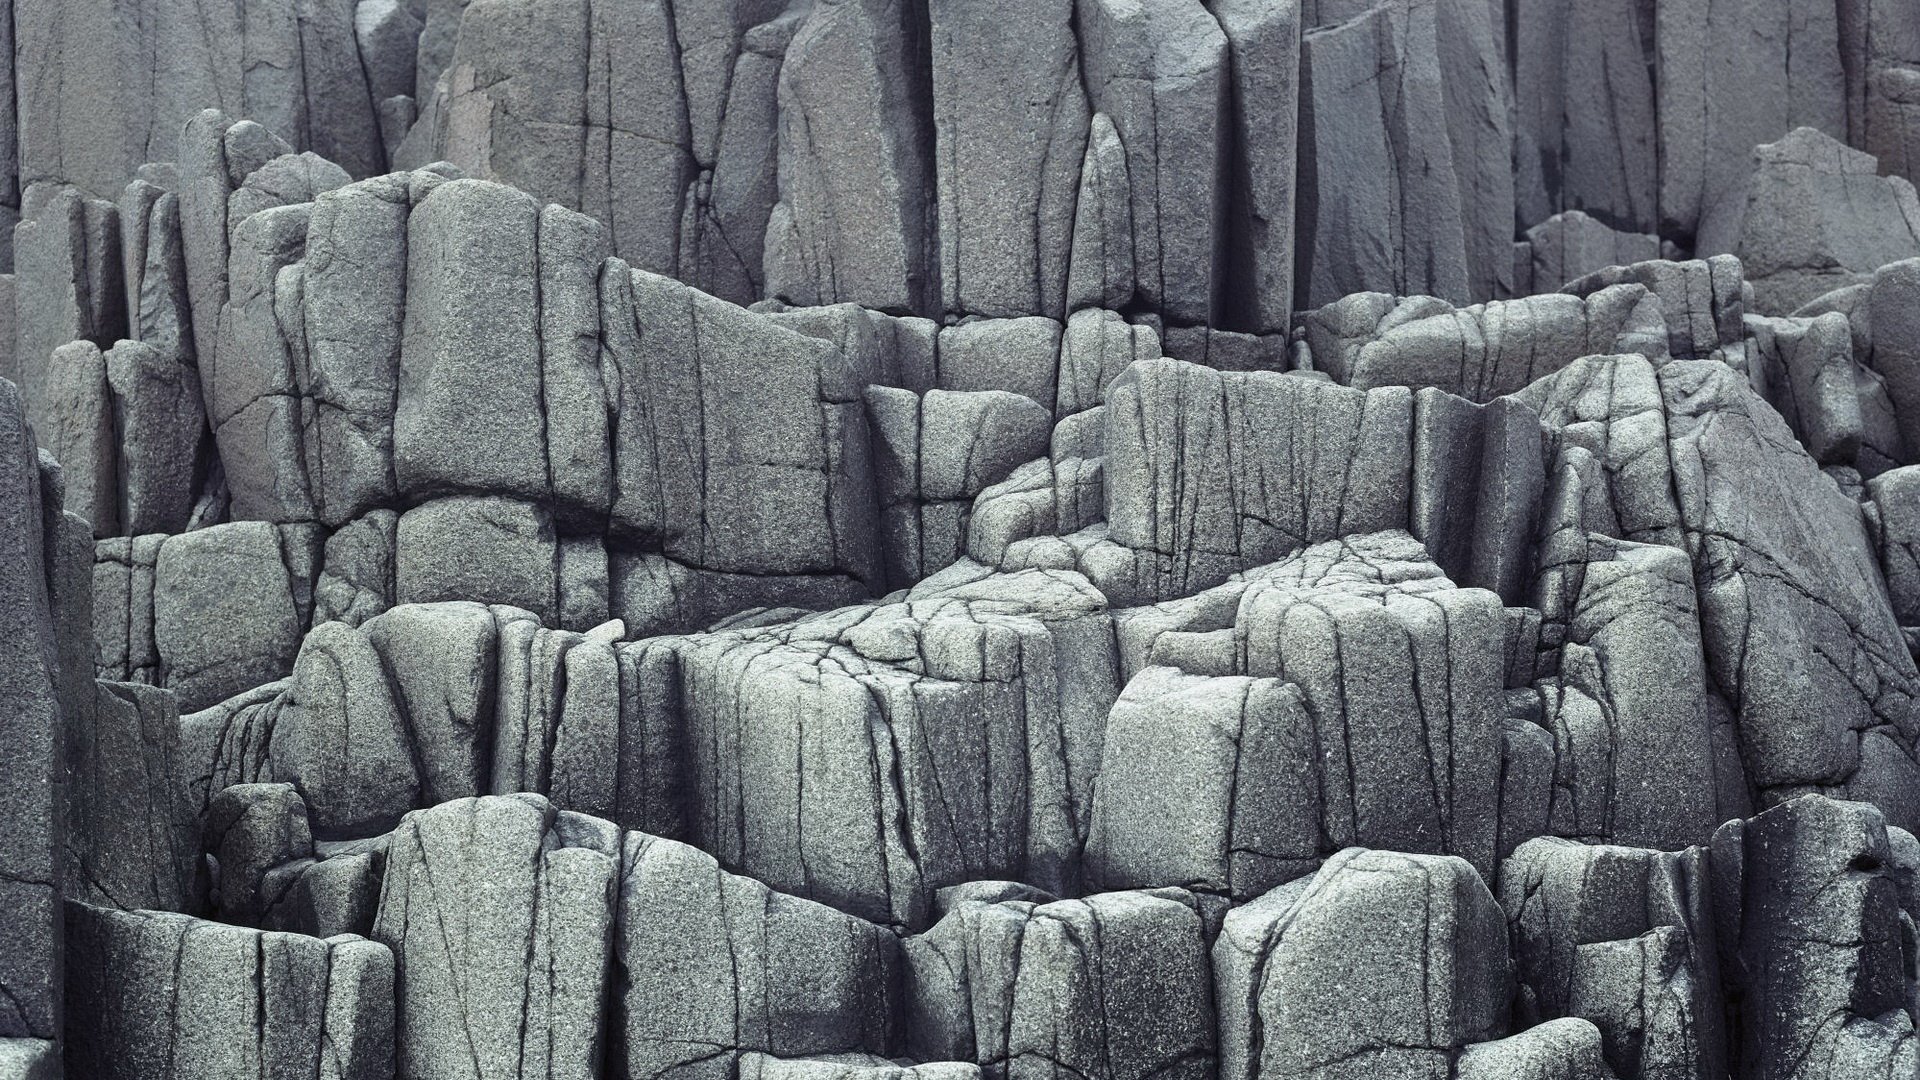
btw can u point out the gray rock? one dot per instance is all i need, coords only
(79, 431)
(854, 220)
(1377, 166)
(1623, 938)
(1380, 965)
(711, 965)
(1096, 347)
(1111, 986)
(1263, 47)
(1810, 926)
(249, 830)
(1206, 783)
(30, 1059)
(1810, 574)
(1194, 522)
(1004, 795)
(1574, 244)
(154, 994)
(654, 595)
(30, 718)
(352, 311)
(1017, 355)
(1567, 1049)
(357, 570)
(740, 445)
(573, 395)
(500, 915)
(161, 428)
(226, 614)
(1005, 232)
(755, 1065)
(1713, 115)
(1896, 498)
(1892, 342)
(1586, 124)
(67, 266)
(340, 739)
(132, 840)
(1702, 300)
(1629, 710)
(1816, 217)
(467, 415)
(493, 550)
(1805, 369)
(1483, 351)
(1160, 72)
(250, 377)
(1100, 268)
(159, 308)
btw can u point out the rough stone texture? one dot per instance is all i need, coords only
(499, 912)
(1112, 986)
(1334, 462)
(1380, 964)
(154, 994)
(1816, 217)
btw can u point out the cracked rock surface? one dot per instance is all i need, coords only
(959, 540)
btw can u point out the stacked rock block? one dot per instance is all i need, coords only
(1063, 540)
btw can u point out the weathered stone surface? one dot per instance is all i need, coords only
(1203, 784)
(1623, 938)
(1810, 931)
(158, 994)
(493, 550)
(1481, 352)
(1167, 424)
(1816, 217)
(31, 713)
(711, 966)
(1586, 123)
(1159, 71)
(1777, 68)
(1573, 244)
(1381, 964)
(1111, 986)
(1790, 554)
(132, 839)
(161, 428)
(500, 915)
(226, 611)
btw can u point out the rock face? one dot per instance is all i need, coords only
(960, 540)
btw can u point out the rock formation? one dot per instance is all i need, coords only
(960, 540)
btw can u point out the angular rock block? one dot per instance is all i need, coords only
(1623, 938)
(1355, 748)
(132, 837)
(711, 967)
(1204, 783)
(499, 912)
(1703, 300)
(933, 738)
(1811, 930)
(227, 609)
(32, 711)
(1192, 522)
(1112, 986)
(1370, 340)
(1817, 217)
(1792, 555)
(157, 994)
(739, 445)
(1381, 964)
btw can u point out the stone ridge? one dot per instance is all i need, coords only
(960, 540)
